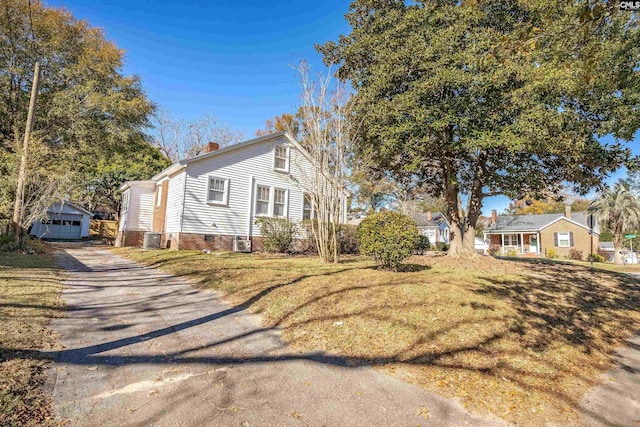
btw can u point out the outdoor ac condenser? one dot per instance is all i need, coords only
(241, 245)
(151, 240)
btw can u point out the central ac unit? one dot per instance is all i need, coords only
(242, 245)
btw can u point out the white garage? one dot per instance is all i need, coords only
(64, 221)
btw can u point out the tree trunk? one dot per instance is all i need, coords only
(617, 254)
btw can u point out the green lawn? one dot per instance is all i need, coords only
(29, 298)
(522, 340)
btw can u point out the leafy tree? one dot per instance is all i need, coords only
(551, 205)
(474, 98)
(88, 111)
(619, 211)
(283, 123)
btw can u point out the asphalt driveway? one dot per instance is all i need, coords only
(140, 347)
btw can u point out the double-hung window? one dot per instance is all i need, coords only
(125, 201)
(263, 199)
(217, 190)
(307, 207)
(564, 239)
(159, 201)
(281, 158)
(271, 201)
(511, 240)
(279, 202)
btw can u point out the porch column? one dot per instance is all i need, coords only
(538, 243)
(522, 243)
(502, 242)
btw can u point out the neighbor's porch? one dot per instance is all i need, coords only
(523, 243)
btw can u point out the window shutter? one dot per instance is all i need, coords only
(555, 239)
(571, 239)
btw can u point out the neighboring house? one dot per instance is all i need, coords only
(208, 201)
(433, 225)
(534, 235)
(64, 220)
(481, 245)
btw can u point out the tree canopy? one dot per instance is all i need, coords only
(90, 117)
(479, 98)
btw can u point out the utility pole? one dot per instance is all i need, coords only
(22, 174)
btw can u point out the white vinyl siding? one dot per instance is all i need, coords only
(175, 196)
(139, 201)
(238, 166)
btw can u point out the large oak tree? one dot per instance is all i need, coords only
(478, 98)
(90, 119)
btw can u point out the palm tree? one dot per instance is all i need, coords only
(620, 210)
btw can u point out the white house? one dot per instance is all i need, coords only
(433, 225)
(209, 201)
(64, 220)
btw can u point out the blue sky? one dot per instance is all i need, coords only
(229, 59)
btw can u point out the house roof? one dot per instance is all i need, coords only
(128, 184)
(527, 223)
(437, 218)
(180, 164)
(73, 205)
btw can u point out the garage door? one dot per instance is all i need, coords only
(62, 226)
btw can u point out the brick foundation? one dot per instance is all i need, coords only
(130, 238)
(197, 242)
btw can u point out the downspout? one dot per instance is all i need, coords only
(184, 197)
(250, 222)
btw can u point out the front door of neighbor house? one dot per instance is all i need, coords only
(533, 244)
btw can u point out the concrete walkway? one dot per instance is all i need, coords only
(616, 402)
(143, 348)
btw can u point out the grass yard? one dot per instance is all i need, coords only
(29, 297)
(521, 340)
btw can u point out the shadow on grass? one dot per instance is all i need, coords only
(554, 304)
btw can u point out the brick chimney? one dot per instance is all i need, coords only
(212, 146)
(494, 216)
(567, 211)
(429, 216)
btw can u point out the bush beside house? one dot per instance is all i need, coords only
(389, 237)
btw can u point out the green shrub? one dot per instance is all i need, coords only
(441, 246)
(511, 253)
(494, 250)
(389, 237)
(423, 245)
(8, 243)
(278, 234)
(575, 254)
(596, 258)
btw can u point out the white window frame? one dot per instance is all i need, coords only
(285, 207)
(286, 158)
(568, 239)
(306, 196)
(272, 197)
(125, 201)
(225, 195)
(509, 240)
(255, 207)
(159, 201)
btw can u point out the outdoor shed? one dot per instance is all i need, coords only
(65, 221)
